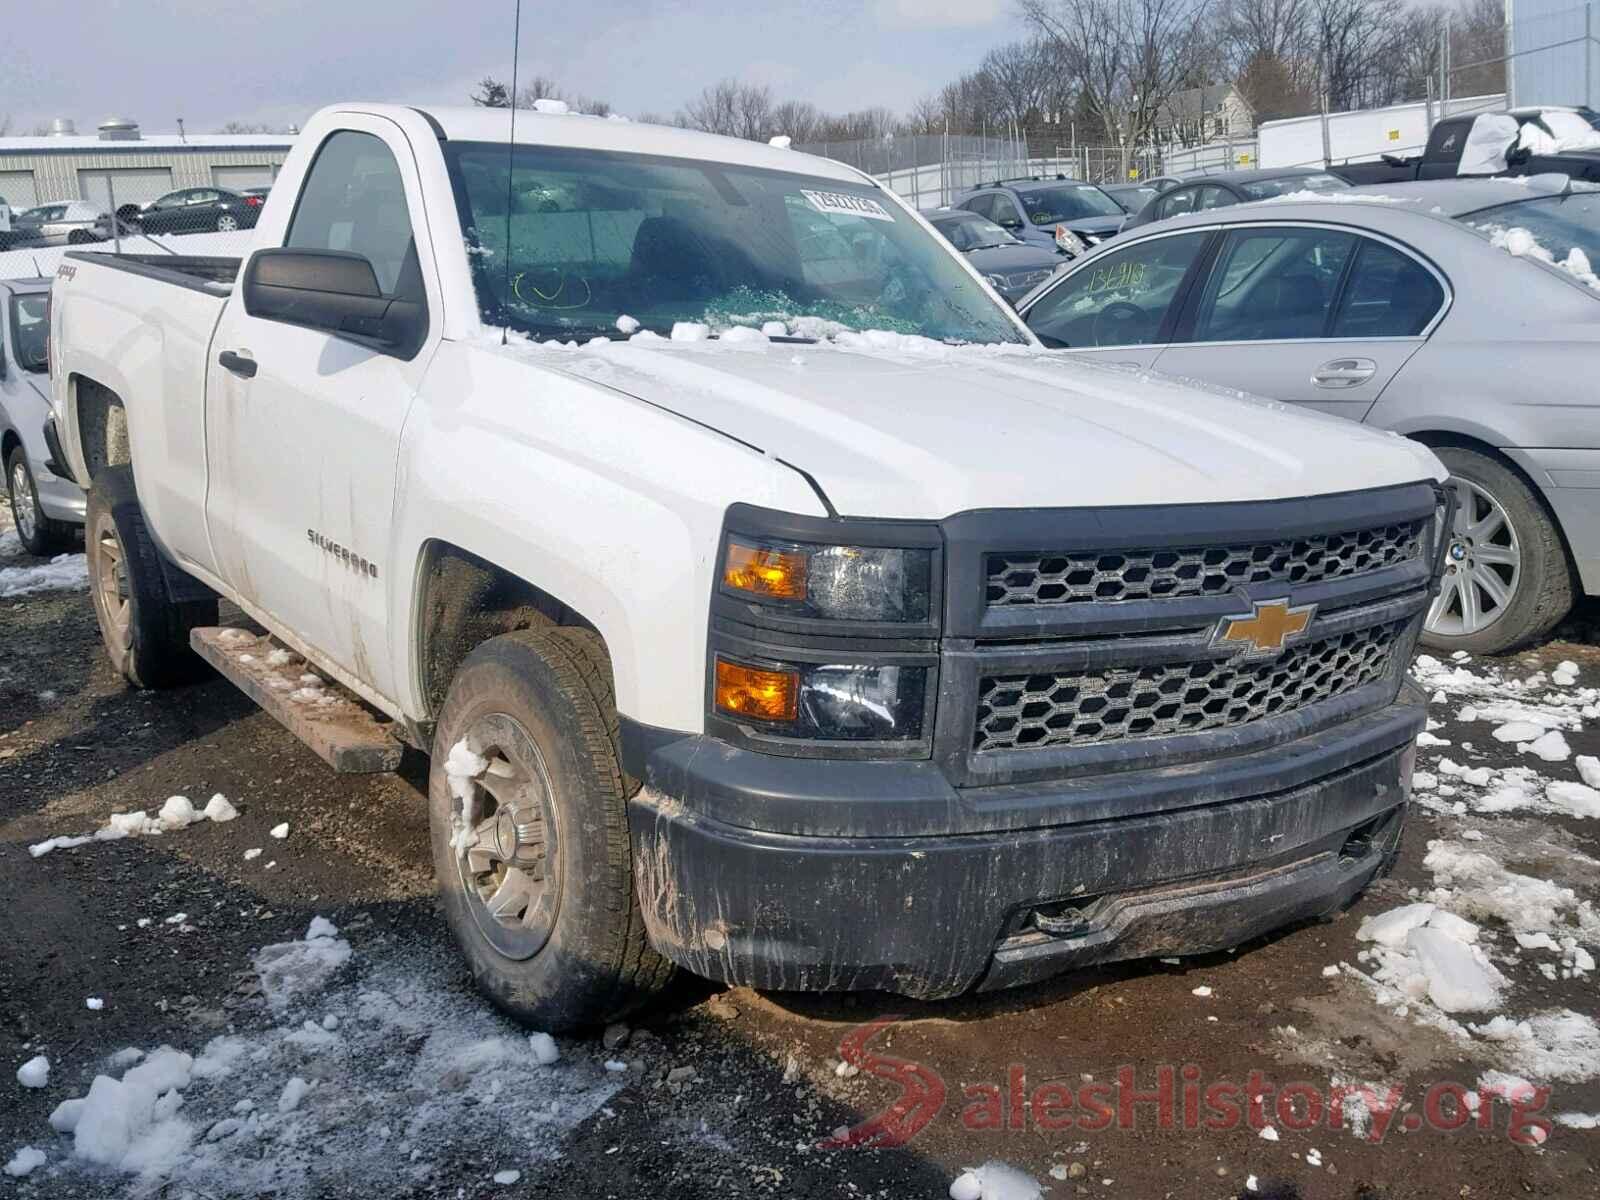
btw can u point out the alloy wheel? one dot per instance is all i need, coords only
(110, 582)
(226, 224)
(23, 504)
(1483, 564)
(506, 842)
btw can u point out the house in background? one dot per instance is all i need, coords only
(1196, 116)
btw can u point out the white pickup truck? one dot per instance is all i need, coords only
(769, 601)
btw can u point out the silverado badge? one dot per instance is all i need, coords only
(1270, 626)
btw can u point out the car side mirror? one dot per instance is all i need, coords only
(1010, 223)
(334, 291)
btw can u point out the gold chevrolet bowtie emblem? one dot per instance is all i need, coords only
(1268, 628)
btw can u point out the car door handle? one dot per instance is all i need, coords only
(237, 363)
(1344, 372)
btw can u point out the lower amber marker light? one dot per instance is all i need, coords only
(758, 692)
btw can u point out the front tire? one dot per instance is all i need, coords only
(146, 633)
(1507, 579)
(40, 535)
(533, 853)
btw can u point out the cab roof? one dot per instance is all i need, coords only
(469, 124)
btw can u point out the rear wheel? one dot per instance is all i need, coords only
(227, 223)
(146, 633)
(39, 534)
(531, 848)
(1507, 580)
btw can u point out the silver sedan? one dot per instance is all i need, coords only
(1463, 313)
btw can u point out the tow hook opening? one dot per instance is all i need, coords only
(1362, 840)
(1070, 918)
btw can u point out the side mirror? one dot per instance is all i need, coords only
(334, 291)
(1010, 223)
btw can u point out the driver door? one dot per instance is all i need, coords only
(303, 427)
(1120, 307)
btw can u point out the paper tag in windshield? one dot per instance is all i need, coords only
(843, 205)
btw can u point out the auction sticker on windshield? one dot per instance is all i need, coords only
(846, 205)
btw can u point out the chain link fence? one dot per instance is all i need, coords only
(128, 210)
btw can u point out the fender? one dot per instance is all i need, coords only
(610, 505)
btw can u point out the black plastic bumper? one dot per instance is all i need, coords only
(937, 915)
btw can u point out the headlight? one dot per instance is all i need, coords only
(826, 701)
(1069, 241)
(834, 583)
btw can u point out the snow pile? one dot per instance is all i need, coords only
(25, 1161)
(363, 1085)
(1422, 951)
(176, 812)
(994, 1180)
(35, 1073)
(1520, 243)
(1560, 1046)
(64, 572)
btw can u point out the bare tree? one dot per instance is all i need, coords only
(5, 124)
(1127, 57)
(1020, 77)
(797, 120)
(732, 108)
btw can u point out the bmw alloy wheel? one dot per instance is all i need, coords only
(1483, 564)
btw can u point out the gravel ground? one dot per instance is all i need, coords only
(416, 1089)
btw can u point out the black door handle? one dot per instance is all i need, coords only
(237, 363)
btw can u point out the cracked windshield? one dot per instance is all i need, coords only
(605, 244)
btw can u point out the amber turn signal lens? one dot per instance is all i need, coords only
(757, 692)
(766, 572)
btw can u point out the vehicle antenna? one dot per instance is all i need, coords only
(511, 145)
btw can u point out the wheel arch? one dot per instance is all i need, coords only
(1436, 439)
(100, 419)
(460, 601)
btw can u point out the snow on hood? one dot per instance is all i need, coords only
(896, 426)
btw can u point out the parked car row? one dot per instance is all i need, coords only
(187, 210)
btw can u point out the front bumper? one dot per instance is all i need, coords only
(939, 914)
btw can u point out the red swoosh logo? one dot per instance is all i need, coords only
(921, 1093)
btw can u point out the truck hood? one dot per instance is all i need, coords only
(889, 426)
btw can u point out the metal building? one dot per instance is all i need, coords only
(131, 165)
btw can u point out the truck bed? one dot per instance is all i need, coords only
(207, 273)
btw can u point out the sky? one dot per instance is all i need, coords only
(278, 61)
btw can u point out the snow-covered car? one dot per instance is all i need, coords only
(770, 602)
(1389, 306)
(46, 507)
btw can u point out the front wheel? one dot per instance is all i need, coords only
(40, 535)
(528, 813)
(1507, 579)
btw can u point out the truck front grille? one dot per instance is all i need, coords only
(1023, 712)
(1072, 577)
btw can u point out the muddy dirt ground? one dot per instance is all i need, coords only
(76, 744)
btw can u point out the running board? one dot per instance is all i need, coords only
(344, 732)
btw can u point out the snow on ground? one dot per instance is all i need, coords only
(64, 572)
(176, 812)
(365, 1076)
(1451, 959)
